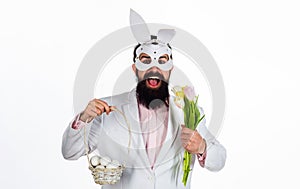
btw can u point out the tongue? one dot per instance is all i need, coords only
(153, 82)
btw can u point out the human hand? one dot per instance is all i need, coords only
(192, 141)
(95, 108)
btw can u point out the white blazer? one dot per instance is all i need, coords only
(109, 136)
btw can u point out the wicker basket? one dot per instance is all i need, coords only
(106, 175)
(102, 174)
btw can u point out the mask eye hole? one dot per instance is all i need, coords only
(145, 58)
(163, 59)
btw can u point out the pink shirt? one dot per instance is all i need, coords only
(154, 127)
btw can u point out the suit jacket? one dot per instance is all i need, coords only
(109, 136)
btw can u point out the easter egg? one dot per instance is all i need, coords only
(111, 166)
(105, 161)
(100, 166)
(95, 160)
(116, 163)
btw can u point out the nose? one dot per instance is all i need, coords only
(155, 69)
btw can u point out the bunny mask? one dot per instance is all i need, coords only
(153, 46)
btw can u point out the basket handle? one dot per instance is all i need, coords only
(113, 108)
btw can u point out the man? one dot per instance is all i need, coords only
(157, 137)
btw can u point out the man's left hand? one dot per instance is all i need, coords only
(192, 141)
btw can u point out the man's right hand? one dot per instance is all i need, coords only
(93, 109)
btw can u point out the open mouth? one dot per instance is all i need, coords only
(153, 82)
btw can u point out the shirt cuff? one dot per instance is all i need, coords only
(201, 158)
(77, 123)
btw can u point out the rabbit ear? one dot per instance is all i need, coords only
(165, 35)
(139, 27)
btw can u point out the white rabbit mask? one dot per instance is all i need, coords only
(153, 46)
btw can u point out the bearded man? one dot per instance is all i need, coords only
(157, 137)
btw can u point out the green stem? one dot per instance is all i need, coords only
(186, 167)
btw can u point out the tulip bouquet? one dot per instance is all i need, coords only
(186, 100)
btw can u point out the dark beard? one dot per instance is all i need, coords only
(152, 98)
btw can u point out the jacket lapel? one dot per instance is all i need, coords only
(172, 144)
(137, 148)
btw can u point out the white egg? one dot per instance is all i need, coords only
(111, 166)
(105, 160)
(100, 166)
(95, 160)
(116, 163)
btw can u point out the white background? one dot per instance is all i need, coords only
(256, 46)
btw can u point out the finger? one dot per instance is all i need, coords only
(112, 108)
(107, 109)
(187, 145)
(104, 104)
(183, 126)
(100, 102)
(96, 110)
(92, 103)
(188, 142)
(186, 130)
(198, 136)
(185, 136)
(184, 144)
(184, 141)
(188, 135)
(99, 107)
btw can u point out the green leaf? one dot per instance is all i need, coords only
(200, 119)
(186, 101)
(197, 116)
(185, 117)
(191, 119)
(196, 101)
(186, 111)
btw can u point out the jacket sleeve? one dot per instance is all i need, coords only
(73, 139)
(215, 152)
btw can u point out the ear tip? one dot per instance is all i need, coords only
(132, 12)
(135, 18)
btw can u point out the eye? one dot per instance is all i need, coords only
(163, 59)
(146, 61)
(145, 58)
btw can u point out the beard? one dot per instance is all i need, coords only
(153, 98)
